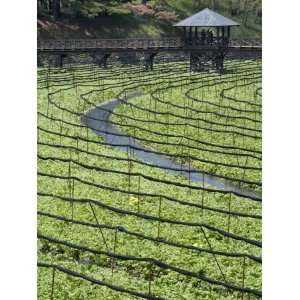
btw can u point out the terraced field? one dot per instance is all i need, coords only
(112, 225)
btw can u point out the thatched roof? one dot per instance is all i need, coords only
(206, 18)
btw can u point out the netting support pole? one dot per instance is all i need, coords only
(61, 58)
(113, 262)
(244, 273)
(202, 202)
(71, 185)
(159, 214)
(129, 167)
(150, 279)
(77, 148)
(96, 219)
(52, 284)
(229, 215)
(139, 191)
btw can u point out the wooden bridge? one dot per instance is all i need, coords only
(200, 51)
(143, 45)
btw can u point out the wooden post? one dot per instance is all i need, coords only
(223, 34)
(39, 61)
(228, 32)
(150, 60)
(60, 60)
(103, 60)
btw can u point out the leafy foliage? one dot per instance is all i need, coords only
(93, 8)
(66, 88)
(130, 18)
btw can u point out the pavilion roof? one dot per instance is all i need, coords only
(206, 18)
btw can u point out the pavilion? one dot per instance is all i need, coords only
(209, 46)
(207, 20)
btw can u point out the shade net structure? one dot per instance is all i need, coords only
(114, 225)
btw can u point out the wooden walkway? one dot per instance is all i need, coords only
(141, 45)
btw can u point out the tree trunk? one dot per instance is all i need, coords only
(194, 4)
(213, 4)
(235, 7)
(246, 12)
(198, 4)
(56, 9)
(258, 16)
(239, 9)
(232, 12)
(42, 4)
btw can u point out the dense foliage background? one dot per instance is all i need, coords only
(115, 18)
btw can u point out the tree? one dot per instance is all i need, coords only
(93, 8)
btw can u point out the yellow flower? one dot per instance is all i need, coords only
(133, 200)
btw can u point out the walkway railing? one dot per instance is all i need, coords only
(110, 44)
(122, 44)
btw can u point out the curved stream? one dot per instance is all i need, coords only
(97, 119)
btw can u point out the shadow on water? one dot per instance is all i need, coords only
(97, 119)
